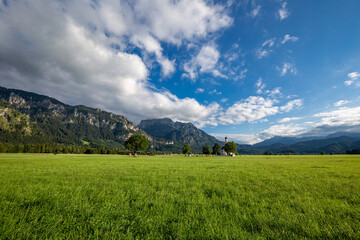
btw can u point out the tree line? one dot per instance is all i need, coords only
(229, 148)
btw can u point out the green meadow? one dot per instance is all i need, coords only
(177, 197)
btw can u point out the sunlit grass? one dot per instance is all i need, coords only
(111, 196)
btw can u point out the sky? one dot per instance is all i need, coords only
(246, 69)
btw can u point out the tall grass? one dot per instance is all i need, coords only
(176, 197)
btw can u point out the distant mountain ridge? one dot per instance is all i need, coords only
(293, 140)
(332, 143)
(177, 132)
(36, 118)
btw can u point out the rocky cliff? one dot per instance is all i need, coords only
(28, 117)
(178, 133)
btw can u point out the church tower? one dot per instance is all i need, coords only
(226, 140)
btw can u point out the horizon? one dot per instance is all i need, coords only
(249, 70)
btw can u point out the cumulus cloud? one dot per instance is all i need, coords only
(204, 62)
(348, 82)
(260, 85)
(80, 52)
(287, 37)
(291, 105)
(353, 77)
(341, 102)
(287, 67)
(199, 90)
(250, 109)
(254, 108)
(275, 92)
(283, 12)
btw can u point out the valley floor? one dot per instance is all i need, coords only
(177, 197)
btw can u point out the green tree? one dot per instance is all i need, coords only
(322, 153)
(206, 150)
(230, 147)
(137, 142)
(186, 149)
(216, 149)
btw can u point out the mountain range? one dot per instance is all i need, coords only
(334, 143)
(31, 118)
(27, 117)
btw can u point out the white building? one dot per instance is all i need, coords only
(223, 152)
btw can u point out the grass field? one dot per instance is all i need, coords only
(176, 197)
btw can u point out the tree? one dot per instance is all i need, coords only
(206, 150)
(322, 153)
(216, 149)
(230, 147)
(136, 142)
(186, 149)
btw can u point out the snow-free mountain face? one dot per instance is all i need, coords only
(31, 118)
(178, 132)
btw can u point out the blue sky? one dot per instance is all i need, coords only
(249, 70)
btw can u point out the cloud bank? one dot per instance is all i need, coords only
(82, 52)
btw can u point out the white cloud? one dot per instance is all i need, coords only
(255, 12)
(349, 82)
(287, 37)
(174, 21)
(344, 116)
(291, 105)
(249, 110)
(283, 12)
(167, 66)
(275, 92)
(282, 130)
(269, 42)
(260, 53)
(207, 58)
(285, 120)
(215, 92)
(60, 49)
(287, 67)
(260, 85)
(265, 48)
(353, 77)
(341, 102)
(204, 62)
(199, 90)
(224, 100)
(242, 74)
